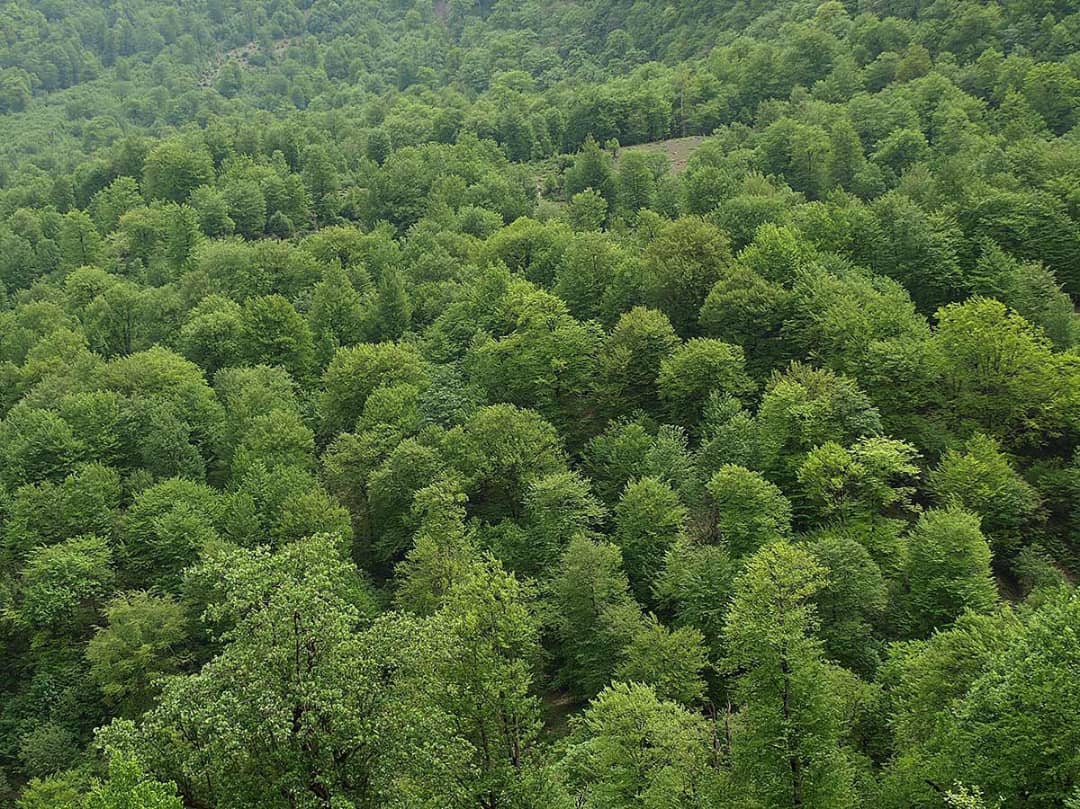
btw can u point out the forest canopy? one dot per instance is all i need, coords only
(588, 404)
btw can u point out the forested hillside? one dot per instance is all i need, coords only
(381, 429)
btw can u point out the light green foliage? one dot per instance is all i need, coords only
(873, 477)
(592, 171)
(649, 519)
(595, 617)
(85, 502)
(804, 408)
(355, 372)
(379, 382)
(998, 371)
(442, 552)
(636, 184)
(947, 570)
(393, 309)
(278, 438)
(498, 452)
(670, 662)
(697, 369)
(633, 749)
(784, 690)
(557, 507)
(273, 333)
(61, 791)
(289, 618)
(549, 365)
(63, 584)
(588, 266)
(980, 479)
(837, 319)
(695, 586)
(742, 511)
(141, 642)
(211, 334)
(951, 695)
(37, 445)
(174, 168)
(745, 309)
(167, 528)
(129, 787)
(1035, 678)
(587, 211)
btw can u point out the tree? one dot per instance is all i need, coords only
(289, 621)
(248, 394)
(129, 787)
(805, 407)
(355, 372)
(1053, 91)
(140, 644)
(166, 529)
(86, 502)
(408, 468)
(176, 167)
(492, 646)
(636, 184)
(246, 206)
(680, 266)
(36, 445)
(837, 319)
(669, 662)
(272, 332)
(745, 309)
(588, 265)
(697, 369)
(549, 365)
(873, 477)
(947, 570)
(743, 511)
(997, 371)
(558, 507)
(595, 617)
(592, 170)
(212, 208)
(988, 681)
(980, 479)
(1032, 678)
(15, 89)
(631, 358)
(79, 241)
(276, 439)
(62, 585)
(168, 377)
(498, 453)
(337, 313)
(632, 749)
(851, 603)
(785, 744)
(211, 335)
(322, 181)
(378, 146)
(649, 519)
(587, 211)
(393, 310)
(442, 552)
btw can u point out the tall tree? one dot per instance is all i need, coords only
(786, 742)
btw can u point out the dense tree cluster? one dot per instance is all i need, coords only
(380, 428)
